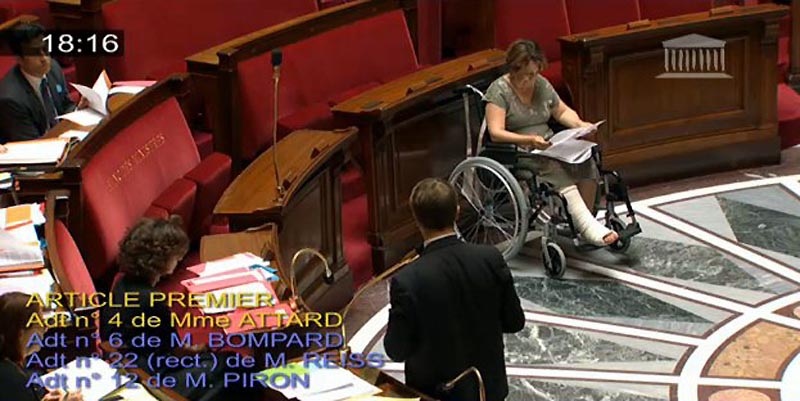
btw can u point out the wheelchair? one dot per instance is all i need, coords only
(500, 203)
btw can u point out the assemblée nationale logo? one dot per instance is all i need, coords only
(694, 56)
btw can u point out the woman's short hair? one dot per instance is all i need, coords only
(522, 52)
(149, 245)
(16, 312)
(434, 204)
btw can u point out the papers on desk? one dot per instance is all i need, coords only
(227, 265)
(17, 255)
(324, 384)
(103, 378)
(84, 117)
(568, 147)
(37, 151)
(379, 398)
(133, 392)
(20, 215)
(226, 278)
(79, 135)
(129, 87)
(97, 98)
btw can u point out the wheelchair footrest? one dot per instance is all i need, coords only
(630, 230)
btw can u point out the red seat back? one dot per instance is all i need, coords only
(159, 34)
(6, 64)
(655, 9)
(74, 269)
(545, 23)
(124, 177)
(377, 49)
(587, 15)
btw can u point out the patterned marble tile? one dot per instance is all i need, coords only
(521, 389)
(601, 299)
(765, 228)
(540, 344)
(678, 256)
(772, 197)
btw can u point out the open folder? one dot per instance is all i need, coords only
(97, 98)
(37, 151)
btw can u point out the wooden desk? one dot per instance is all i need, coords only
(308, 215)
(663, 128)
(410, 129)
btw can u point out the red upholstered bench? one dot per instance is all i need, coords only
(548, 20)
(319, 72)
(149, 168)
(160, 34)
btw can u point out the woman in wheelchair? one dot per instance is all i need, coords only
(519, 106)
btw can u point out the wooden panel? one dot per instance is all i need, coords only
(410, 129)
(308, 215)
(664, 128)
(645, 108)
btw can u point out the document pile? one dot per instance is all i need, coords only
(97, 98)
(313, 383)
(37, 151)
(103, 379)
(567, 146)
(239, 277)
(20, 253)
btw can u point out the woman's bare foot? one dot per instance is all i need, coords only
(611, 238)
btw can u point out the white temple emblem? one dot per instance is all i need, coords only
(694, 56)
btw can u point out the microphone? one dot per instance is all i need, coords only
(327, 276)
(277, 60)
(446, 387)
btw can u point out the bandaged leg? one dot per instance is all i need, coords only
(590, 229)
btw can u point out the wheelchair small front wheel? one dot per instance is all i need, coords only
(622, 244)
(555, 263)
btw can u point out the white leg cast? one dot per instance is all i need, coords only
(590, 229)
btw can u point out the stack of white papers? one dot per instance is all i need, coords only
(96, 97)
(17, 252)
(38, 151)
(103, 378)
(567, 146)
(325, 384)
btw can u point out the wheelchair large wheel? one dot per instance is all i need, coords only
(494, 210)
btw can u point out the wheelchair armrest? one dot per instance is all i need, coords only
(504, 153)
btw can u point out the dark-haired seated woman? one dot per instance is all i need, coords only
(14, 338)
(150, 251)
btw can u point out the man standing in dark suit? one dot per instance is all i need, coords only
(34, 92)
(451, 306)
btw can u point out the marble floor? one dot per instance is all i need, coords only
(704, 305)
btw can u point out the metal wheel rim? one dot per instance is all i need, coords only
(491, 208)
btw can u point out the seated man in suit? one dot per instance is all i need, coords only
(451, 306)
(34, 92)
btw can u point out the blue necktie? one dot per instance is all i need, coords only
(49, 105)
